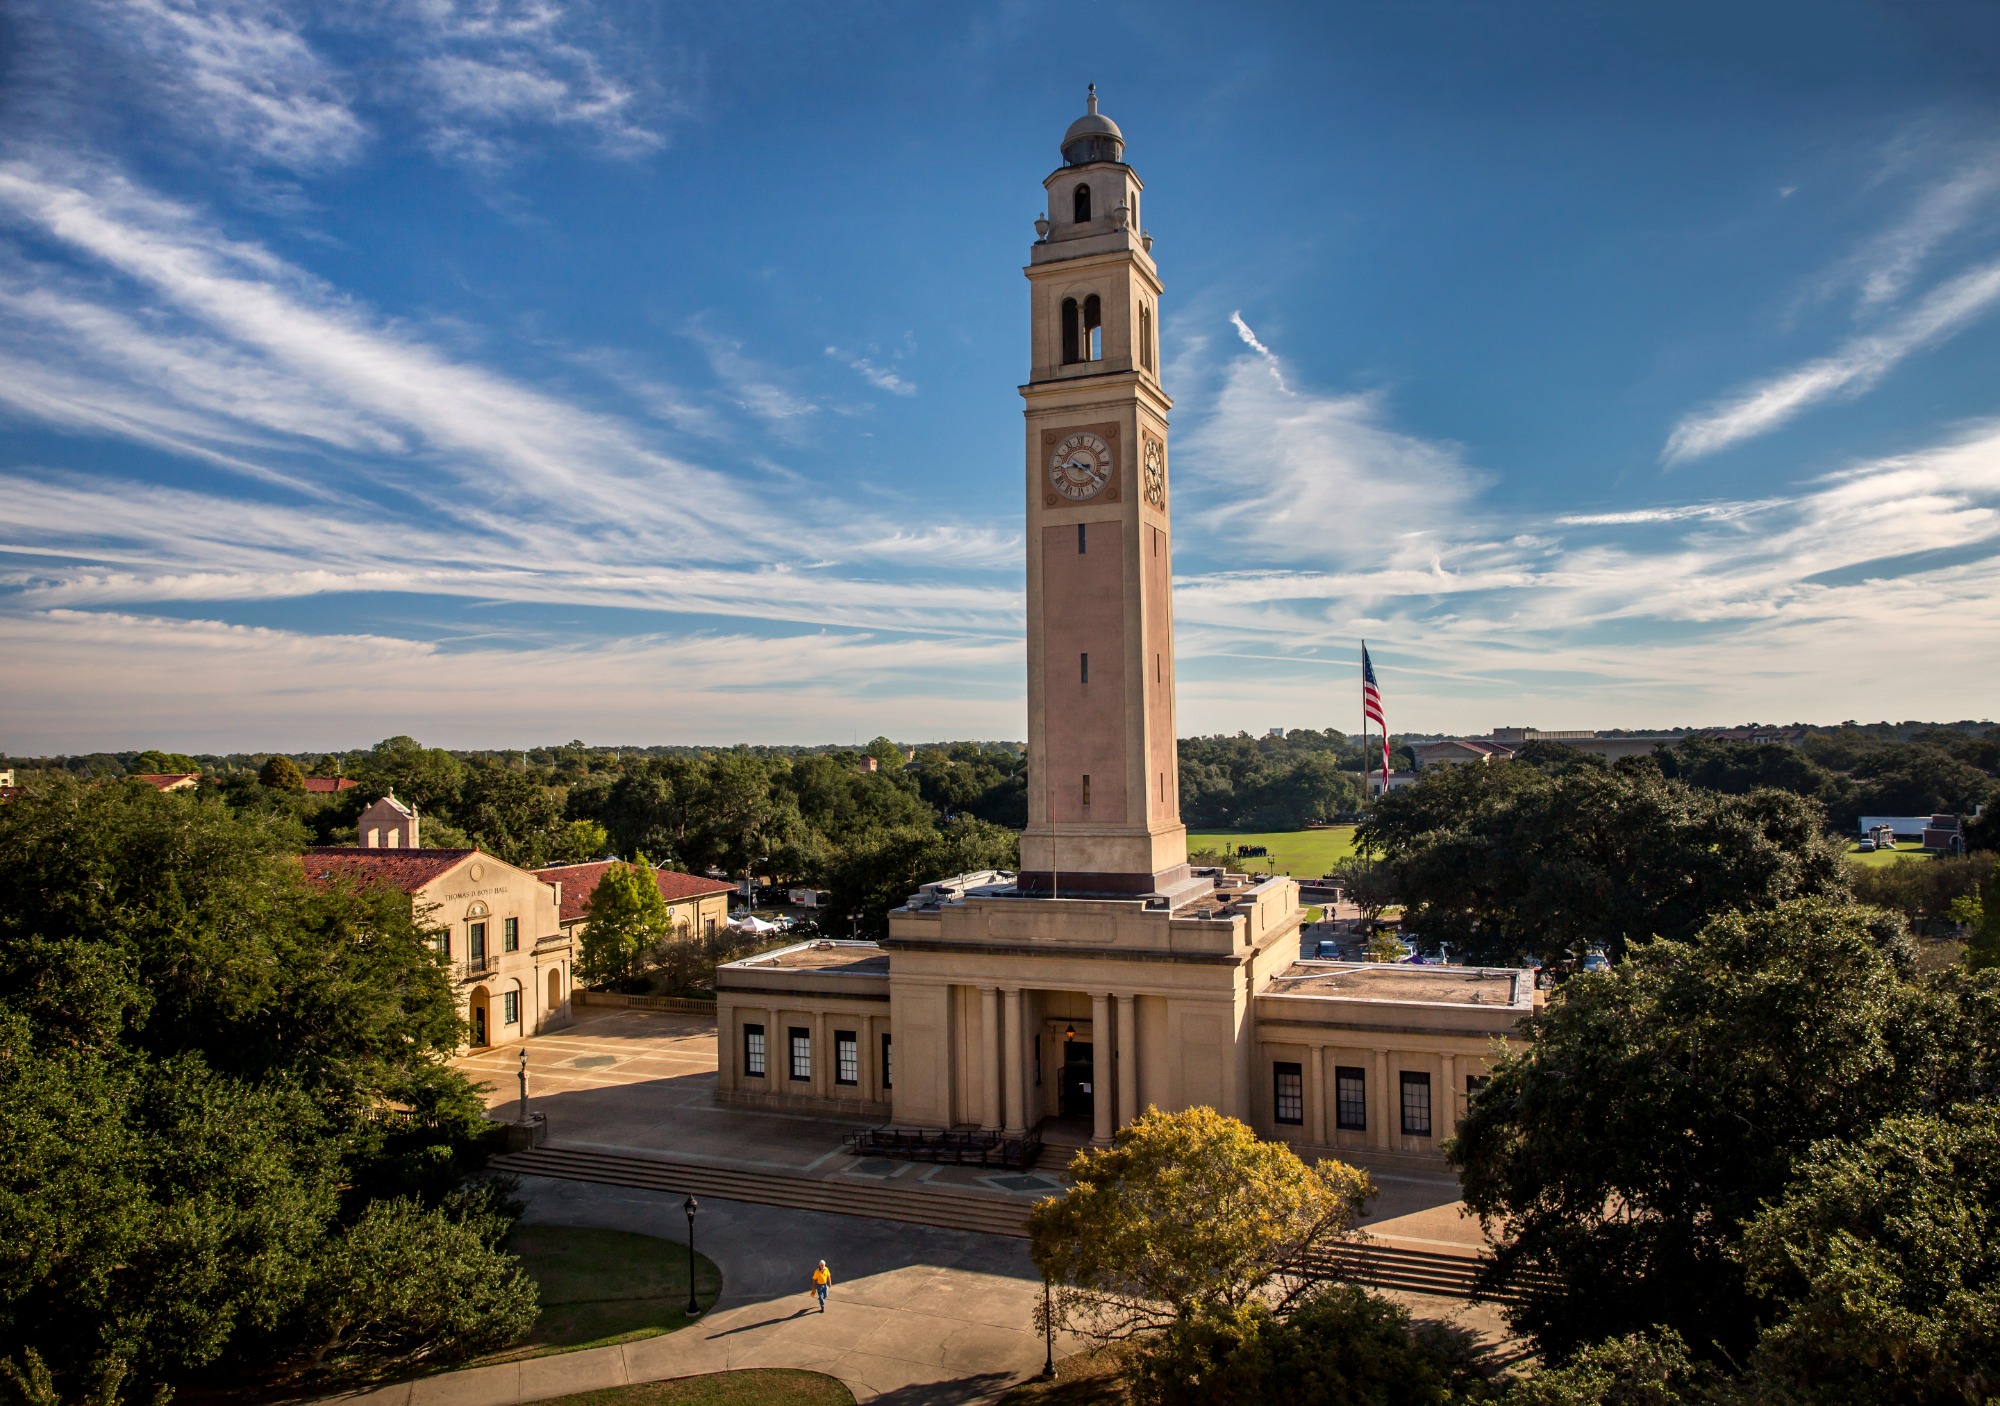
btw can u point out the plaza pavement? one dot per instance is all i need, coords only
(918, 1313)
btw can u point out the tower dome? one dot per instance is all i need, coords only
(1092, 137)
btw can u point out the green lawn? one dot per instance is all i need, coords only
(1303, 854)
(601, 1287)
(1886, 856)
(761, 1386)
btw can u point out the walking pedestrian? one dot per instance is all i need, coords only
(822, 1281)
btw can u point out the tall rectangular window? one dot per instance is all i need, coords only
(1416, 1104)
(1288, 1093)
(1080, 548)
(888, 1079)
(802, 1053)
(444, 941)
(475, 947)
(1086, 668)
(510, 1008)
(1473, 1084)
(510, 935)
(846, 1058)
(1086, 788)
(753, 1051)
(1350, 1098)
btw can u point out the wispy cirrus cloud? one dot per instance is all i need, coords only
(1852, 369)
(302, 88)
(1753, 607)
(881, 377)
(1881, 273)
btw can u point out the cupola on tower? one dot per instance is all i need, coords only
(1103, 800)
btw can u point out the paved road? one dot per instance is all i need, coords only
(916, 1314)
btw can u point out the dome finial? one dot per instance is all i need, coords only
(1092, 101)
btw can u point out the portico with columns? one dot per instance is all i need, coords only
(1108, 976)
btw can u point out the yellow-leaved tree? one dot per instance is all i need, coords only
(1187, 1213)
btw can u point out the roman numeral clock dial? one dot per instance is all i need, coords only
(1080, 466)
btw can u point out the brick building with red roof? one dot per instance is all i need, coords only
(500, 925)
(698, 907)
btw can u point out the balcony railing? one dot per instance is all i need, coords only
(474, 968)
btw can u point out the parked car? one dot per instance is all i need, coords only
(1326, 951)
(1865, 846)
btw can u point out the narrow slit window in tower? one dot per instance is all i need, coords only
(1086, 668)
(1145, 336)
(1086, 788)
(1080, 548)
(1081, 204)
(1071, 326)
(1093, 328)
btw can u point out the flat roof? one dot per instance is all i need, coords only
(853, 958)
(1393, 981)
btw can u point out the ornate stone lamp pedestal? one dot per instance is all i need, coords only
(526, 1129)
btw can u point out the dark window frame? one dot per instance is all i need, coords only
(1079, 204)
(1350, 1098)
(510, 1008)
(799, 1053)
(846, 1057)
(510, 934)
(887, 1067)
(1072, 324)
(1288, 1090)
(1417, 1120)
(757, 1056)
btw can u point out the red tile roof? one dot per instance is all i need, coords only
(330, 783)
(579, 882)
(405, 869)
(169, 780)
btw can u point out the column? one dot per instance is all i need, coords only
(1447, 1109)
(1385, 1100)
(989, 1056)
(1128, 1060)
(1011, 1075)
(1100, 1068)
(822, 1054)
(1316, 1096)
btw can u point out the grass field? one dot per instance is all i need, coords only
(1300, 853)
(601, 1287)
(760, 1386)
(1886, 856)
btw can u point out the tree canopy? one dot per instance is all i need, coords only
(1186, 1213)
(1548, 858)
(628, 917)
(1661, 1104)
(199, 1053)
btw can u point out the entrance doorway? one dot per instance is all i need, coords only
(1075, 1091)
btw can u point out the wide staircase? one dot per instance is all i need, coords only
(914, 1205)
(1363, 1261)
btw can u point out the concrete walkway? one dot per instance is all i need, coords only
(917, 1314)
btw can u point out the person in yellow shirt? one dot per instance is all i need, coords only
(822, 1281)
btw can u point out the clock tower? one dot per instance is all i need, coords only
(1103, 784)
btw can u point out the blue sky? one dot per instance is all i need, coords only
(502, 371)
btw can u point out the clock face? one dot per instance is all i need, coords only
(1156, 473)
(1080, 466)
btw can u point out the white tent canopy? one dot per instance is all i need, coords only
(753, 924)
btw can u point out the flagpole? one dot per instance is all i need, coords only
(1364, 724)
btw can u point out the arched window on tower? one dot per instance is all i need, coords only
(1093, 328)
(1146, 336)
(1082, 203)
(1071, 323)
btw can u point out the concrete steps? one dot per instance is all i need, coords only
(1384, 1266)
(948, 1210)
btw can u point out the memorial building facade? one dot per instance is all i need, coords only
(1107, 975)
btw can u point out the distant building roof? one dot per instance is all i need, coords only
(326, 785)
(169, 780)
(579, 882)
(1901, 824)
(405, 869)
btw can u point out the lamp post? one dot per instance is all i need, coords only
(694, 1305)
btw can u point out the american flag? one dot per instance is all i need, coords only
(1371, 709)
